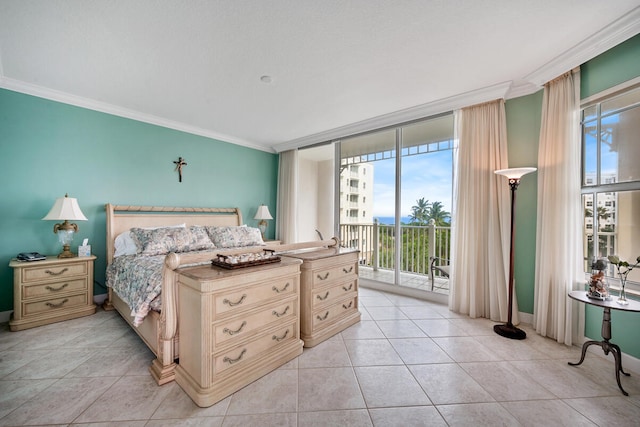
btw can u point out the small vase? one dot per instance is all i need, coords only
(622, 299)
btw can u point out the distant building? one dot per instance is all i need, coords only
(356, 194)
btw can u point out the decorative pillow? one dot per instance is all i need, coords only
(199, 239)
(235, 237)
(125, 245)
(161, 241)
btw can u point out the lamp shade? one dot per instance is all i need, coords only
(514, 173)
(65, 208)
(263, 213)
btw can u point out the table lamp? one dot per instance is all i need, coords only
(263, 215)
(65, 209)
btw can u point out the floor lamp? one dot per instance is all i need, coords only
(514, 175)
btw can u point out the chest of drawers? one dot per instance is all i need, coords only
(236, 326)
(328, 292)
(51, 290)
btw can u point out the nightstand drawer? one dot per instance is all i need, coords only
(323, 277)
(327, 316)
(328, 296)
(52, 289)
(230, 302)
(240, 355)
(54, 304)
(53, 272)
(242, 326)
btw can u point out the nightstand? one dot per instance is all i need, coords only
(51, 290)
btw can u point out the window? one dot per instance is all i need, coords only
(611, 179)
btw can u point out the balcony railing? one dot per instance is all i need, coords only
(419, 245)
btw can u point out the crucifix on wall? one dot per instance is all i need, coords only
(179, 164)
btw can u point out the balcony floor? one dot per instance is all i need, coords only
(408, 280)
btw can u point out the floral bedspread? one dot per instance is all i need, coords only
(138, 281)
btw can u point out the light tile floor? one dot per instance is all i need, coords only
(408, 363)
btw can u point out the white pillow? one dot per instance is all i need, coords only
(125, 245)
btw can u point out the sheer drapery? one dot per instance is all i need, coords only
(559, 225)
(481, 224)
(287, 199)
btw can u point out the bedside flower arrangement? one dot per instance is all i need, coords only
(623, 268)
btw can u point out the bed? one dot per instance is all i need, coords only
(159, 327)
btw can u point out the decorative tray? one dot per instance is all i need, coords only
(232, 262)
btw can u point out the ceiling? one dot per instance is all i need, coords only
(279, 74)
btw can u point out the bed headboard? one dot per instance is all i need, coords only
(121, 218)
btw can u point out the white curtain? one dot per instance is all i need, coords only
(481, 224)
(287, 200)
(559, 252)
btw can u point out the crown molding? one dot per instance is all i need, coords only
(522, 88)
(455, 102)
(603, 40)
(103, 107)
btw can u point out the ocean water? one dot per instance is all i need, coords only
(389, 220)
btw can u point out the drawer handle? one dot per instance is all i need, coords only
(52, 305)
(275, 338)
(58, 273)
(347, 289)
(233, 304)
(232, 361)
(347, 271)
(323, 317)
(281, 290)
(347, 306)
(325, 276)
(323, 298)
(51, 288)
(230, 332)
(275, 313)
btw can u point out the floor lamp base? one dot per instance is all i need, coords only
(509, 331)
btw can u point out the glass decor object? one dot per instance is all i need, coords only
(65, 209)
(623, 268)
(597, 286)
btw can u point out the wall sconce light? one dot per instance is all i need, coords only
(65, 209)
(263, 215)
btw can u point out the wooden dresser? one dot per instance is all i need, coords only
(328, 291)
(51, 290)
(236, 326)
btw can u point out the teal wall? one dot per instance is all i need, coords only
(613, 67)
(523, 131)
(49, 149)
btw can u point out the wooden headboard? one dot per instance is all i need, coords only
(121, 218)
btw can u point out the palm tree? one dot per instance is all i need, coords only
(437, 213)
(419, 212)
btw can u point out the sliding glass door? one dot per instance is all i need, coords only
(396, 208)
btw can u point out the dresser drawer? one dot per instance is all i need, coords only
(242, 354)
(52, 289)
(54, 304)
(228, 302)
(328, 315)
(325, 276)
(327, 296)
(53, 272)
(242, 326)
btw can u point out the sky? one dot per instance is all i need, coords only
(426, 175)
